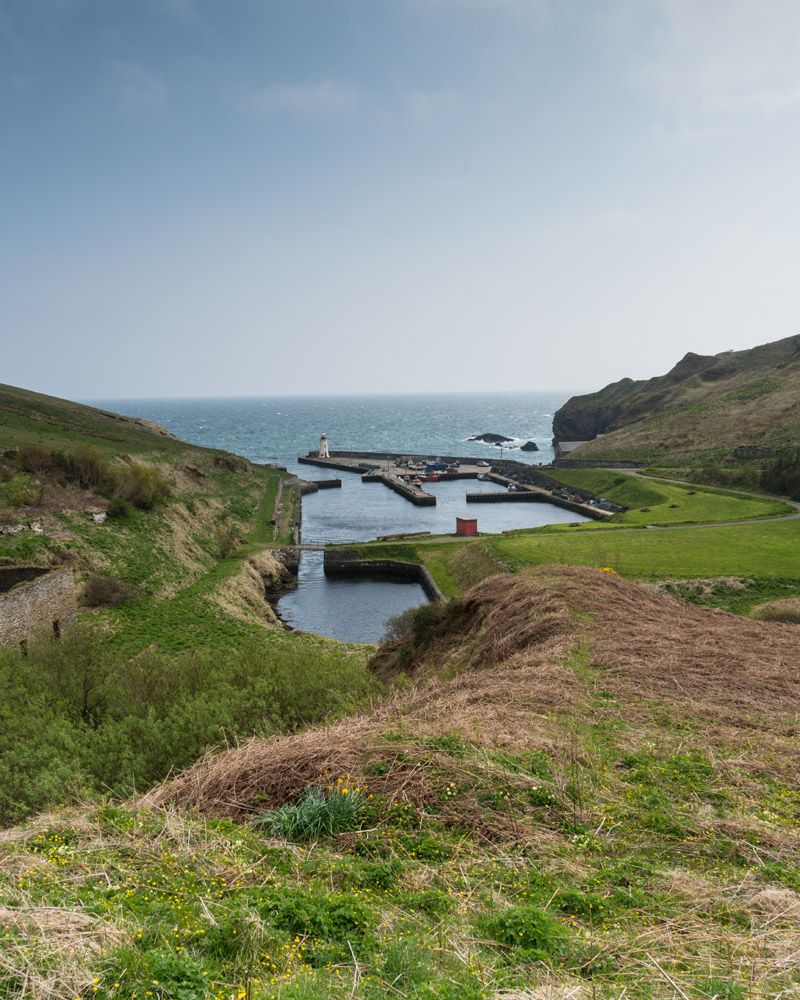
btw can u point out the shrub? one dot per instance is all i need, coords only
(317, 814)
(107, 591)
(782, 475)
(88, 467)
(141, 486)
(398, 626)
(119, 508)
(226, 540)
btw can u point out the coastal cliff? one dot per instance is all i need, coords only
(739, 398)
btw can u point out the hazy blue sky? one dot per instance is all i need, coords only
(272, 196)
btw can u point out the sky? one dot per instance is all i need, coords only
(260, 197)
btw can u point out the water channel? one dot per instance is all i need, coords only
(356, 610)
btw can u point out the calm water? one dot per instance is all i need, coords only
(278, 429)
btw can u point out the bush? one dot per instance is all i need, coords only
(141, 486)
(119, 508)
(107, 592)
(782, 475)
(226, 539)
(398, 626)
(87, 467)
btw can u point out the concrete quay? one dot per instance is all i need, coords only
(362, 462)
(412, 493)
(524, 493)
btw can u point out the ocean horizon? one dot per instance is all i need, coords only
(278, 429)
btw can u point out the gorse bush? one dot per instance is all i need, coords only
(320, 813)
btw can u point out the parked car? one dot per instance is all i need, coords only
(482, 464)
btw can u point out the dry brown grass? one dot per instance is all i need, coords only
(657, 647)
(56, 949)
(514, 641)
(786, 610)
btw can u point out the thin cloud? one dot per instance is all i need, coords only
(427, 106)
(723, 57)
(140, 91)
(314, 100)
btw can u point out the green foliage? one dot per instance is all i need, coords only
(140, 485)
(320, 813)
(88, 467)
(405, 963)
(226, 540)
(77, 716)
(18, 492)
(119, 508)
(782, 474)
(528, 928)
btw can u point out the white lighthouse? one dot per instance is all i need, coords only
(323, 447)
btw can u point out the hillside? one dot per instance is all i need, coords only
(180, 520)
(28, 418)
(703, 406)
(176, 554)
(581, 788)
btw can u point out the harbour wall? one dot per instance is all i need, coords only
(339, 563)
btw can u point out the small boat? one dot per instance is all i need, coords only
(483, 478)
(416, 482)
(430, 479)
(512, 488)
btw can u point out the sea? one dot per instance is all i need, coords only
(278, 429)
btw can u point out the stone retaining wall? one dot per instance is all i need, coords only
(44, 604)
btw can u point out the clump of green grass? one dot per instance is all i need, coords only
(320, 813)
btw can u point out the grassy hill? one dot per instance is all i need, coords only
(177, 647)
(702, 409)
(191, 558)
(581, 788)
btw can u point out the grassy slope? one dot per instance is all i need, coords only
(699, 411)
(668, 503)
(169, 553)
(562, 818)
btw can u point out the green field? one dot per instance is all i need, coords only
(668, 503)
(763, 551)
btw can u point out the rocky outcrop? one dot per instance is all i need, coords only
(694, 381)
(490, 438)
(529, 446)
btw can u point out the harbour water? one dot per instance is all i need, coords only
(278, 429)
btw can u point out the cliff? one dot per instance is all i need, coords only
(704, 403)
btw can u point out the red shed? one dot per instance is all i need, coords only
(466, 526)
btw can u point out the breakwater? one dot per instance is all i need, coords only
(411, 493)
